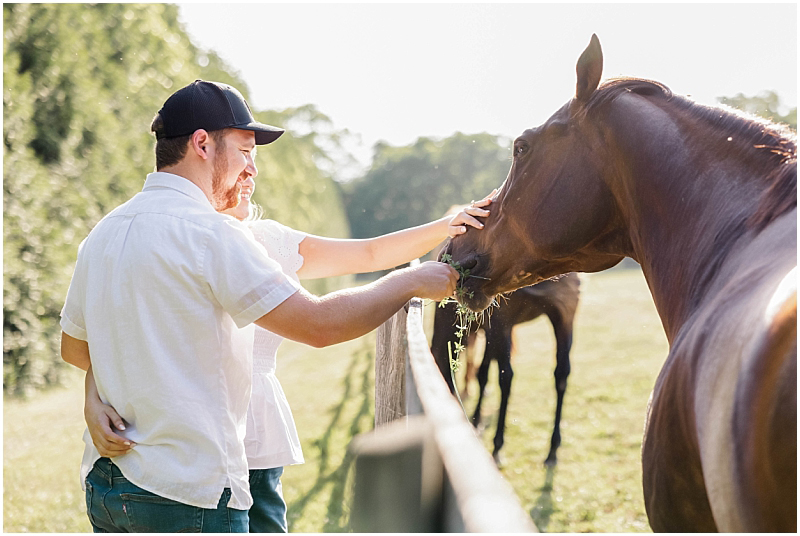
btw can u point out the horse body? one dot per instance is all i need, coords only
(705, 201)
(556, 299)
(692, 459)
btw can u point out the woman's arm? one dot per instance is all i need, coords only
(100, 418)
(328, 257)
(75, 351)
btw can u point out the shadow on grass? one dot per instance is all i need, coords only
(540, 514)
(337, 518)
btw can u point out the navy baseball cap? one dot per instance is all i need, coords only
(211, 106)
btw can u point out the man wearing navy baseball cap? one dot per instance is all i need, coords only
(222, 107)
(214, 108)
(163, 289)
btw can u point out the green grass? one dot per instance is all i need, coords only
(619, 348)
(42, 450)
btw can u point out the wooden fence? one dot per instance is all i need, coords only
(423, 468)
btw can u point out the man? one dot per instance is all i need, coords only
(161, 288)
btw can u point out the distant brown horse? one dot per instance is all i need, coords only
(556, 299)
(705, 200)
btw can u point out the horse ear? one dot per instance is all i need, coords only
(589, 68)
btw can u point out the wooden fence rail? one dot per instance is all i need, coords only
(423, 468)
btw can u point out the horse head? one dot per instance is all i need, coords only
(554, 213)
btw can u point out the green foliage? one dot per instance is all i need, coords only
(293, 189)
(75, 144)
(766, 104)
(82, 83)
(412, 185)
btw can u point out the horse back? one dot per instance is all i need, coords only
(765, 422)
(722, 426)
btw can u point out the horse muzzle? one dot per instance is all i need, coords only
(470, 291)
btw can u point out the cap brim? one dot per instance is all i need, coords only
(264, 133)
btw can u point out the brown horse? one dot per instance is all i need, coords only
(706, 201)
(558, 300)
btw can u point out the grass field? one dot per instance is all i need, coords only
(618, 349)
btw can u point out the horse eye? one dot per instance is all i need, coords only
(520, 150)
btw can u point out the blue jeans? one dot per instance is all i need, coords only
(116, 505)
(268, 513)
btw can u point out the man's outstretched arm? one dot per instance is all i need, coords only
(350, 313)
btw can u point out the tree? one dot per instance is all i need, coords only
(82, 83)
(766, 104)
(414, 184)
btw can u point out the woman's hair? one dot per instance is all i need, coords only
(256, 213)
(170, 151)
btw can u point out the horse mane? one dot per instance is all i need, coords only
(771, 144)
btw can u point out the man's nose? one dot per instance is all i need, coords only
(251, 166)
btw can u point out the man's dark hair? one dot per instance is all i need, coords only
(170, 151)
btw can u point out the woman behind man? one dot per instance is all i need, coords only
(271, 441)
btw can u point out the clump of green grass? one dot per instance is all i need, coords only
(465, 319)
(465, 316)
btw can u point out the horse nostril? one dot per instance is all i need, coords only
(469, 264)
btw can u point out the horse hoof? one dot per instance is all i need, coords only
(498, 460)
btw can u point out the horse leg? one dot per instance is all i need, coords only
(469, 363)
(501, 348)
(563, 332)
(443, 338)
(483, 378)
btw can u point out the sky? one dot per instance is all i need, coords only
(396, 72)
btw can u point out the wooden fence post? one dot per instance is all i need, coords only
(429, 472)
(477, 499)
(390, 369)
(398, 479)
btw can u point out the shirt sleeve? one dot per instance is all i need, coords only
(72, 314)
(243, 278)
(282, 244)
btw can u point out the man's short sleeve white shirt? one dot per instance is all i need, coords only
(161, 288)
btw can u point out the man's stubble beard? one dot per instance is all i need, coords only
(223, 199)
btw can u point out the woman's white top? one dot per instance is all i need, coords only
(271, 439)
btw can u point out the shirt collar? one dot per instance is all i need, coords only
(161, 179)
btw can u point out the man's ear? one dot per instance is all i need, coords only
(199, 143)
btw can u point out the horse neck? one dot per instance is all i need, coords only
(685, 210)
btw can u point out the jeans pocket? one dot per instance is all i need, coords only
(89, 495)
(148, 512)
(96, 492)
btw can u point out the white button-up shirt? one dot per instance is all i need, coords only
(161, 288)
(271, 439)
